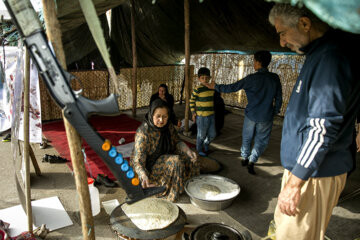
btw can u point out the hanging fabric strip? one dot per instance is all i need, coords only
(93, 22)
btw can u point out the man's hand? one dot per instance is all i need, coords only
(358, 141)
(289, 197)
(193, 117)
(210, 85)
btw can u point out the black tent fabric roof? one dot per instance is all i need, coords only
(77, 39)
(215, 25)
(239, 25)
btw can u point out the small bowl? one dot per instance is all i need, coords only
(212, 204)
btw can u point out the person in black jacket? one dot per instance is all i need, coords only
(163, 94)
(264, 94)
(220, 111)
(319, 122)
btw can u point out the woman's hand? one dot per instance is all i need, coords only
(145, 182)
(192, 155)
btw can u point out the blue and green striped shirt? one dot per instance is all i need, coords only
(202, 101)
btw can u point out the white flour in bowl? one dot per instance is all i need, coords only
(212, 189)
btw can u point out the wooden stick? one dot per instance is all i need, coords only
(182, 90)
(26, 141)
(187, 61)
(74, 140)
(34, 162)
(134, 55)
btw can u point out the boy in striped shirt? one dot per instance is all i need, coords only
(202, 109)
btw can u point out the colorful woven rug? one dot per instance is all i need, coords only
(112, 128)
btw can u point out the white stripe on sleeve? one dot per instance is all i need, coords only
(318, 145)
(313, 143)
(311, 132)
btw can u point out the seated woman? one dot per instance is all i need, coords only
(163, 94)
(160, 158)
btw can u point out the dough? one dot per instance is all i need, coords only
(209, 190)
(151, 213)
(212, 189)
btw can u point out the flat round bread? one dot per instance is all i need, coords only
(151, 213)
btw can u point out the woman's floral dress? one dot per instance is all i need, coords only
(170, 170)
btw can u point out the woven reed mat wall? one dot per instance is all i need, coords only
(225, 68)
(228, 68)
(148, 81)
(95, 85)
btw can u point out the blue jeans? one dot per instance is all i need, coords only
(206, 132)
(260, 132)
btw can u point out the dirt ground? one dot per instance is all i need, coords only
(252, 210)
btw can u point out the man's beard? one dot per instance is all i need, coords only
(294, 49)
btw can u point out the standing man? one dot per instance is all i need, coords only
(262, 88)
(319, 122)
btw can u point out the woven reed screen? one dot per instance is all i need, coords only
(228, 68)
(225, 68)
(148, 81)
(94, 85)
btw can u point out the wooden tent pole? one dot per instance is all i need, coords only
(34, 162)
(26, 141)
(134, 55)
(74, 140)
(187, 60)
(182, 90)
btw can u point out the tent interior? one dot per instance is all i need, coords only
(159, 28)
(229, 30)
(228, 25)
(223, 35)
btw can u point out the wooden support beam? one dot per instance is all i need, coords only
(74, 140)
(182, 90)
(34, 162)
(26, 140)
(187, 62)
(134, 56)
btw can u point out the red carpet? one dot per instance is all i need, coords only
(112, 128)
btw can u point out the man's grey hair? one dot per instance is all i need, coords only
(290, 15)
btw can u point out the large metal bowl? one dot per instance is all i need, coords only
(206, 204)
